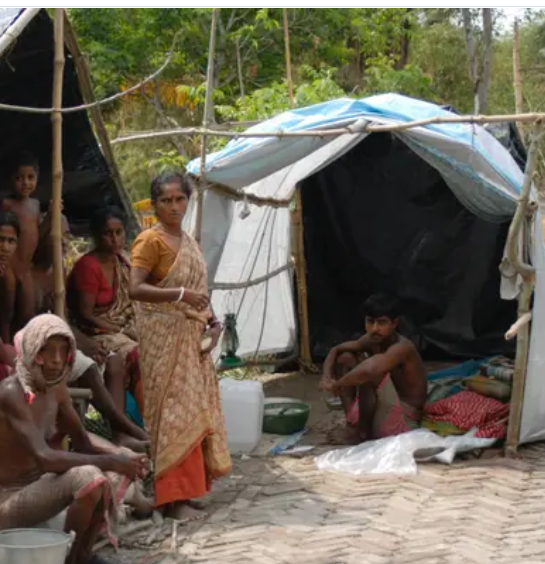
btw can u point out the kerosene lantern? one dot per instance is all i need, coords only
(230, 342)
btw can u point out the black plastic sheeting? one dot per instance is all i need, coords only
(380, 219)
(26, 78)
(507, 134)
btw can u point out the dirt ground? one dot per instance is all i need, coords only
(282, 509)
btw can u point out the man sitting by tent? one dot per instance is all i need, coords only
(380, 378)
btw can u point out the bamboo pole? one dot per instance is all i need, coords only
(57, 170)
(517, 81)
(528, 274)
(208, 103)
(288, 57)
(356, 128)
(298, 244)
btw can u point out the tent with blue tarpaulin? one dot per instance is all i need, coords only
(422, 213)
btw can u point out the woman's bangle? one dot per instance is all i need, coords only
(181, 296)
(215, 323)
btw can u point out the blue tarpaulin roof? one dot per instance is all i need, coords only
(459, 150)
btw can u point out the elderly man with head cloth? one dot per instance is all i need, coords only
(38, 481)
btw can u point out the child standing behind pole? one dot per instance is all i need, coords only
(24, 179)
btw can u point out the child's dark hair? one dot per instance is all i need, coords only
(382, 305)
(26, 158)
(100, 218)
(169, 177)
(10, 219)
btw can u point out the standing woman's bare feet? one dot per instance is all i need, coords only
(182, 511)
(196, 504)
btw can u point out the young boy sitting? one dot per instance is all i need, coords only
(24, 179)
(380, 378)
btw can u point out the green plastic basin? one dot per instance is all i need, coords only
(285, 416)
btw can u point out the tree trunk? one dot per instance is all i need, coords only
(288, 57)
(471, 47)
(479, 73)
(484, 79)
(405, 42)
(239, 69)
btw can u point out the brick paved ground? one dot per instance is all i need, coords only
(282, 510)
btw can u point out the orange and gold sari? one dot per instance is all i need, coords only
(182, 404)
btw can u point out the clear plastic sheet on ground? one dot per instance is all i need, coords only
(399, 455)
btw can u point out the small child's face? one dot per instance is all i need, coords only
(25, 180)
(8, 243)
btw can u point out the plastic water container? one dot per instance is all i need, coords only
(33, 546)
(243, 403)
(56, 523)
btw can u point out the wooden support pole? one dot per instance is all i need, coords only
(288, 57)
(517, 79)
(57, 170)
(527, 273)
(301, 276)
(208, 105)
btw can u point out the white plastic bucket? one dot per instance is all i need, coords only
(33, 546)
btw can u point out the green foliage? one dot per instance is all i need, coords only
(410, 80)
(335, 53)
(440, 51)
(264, 103)
(163, 159)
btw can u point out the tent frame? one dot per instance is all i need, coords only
(525, 271)
(523, 214)
(527, 274)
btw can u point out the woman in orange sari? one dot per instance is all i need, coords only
(177, 331)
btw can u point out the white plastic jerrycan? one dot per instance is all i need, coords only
(243, 403)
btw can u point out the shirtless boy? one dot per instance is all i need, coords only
(38, 482)
(24, 179)
(380, 378)
(9, 235)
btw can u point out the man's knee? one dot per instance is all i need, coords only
(347, 360)
(89, 483)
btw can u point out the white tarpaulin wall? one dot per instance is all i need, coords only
(477, 168)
